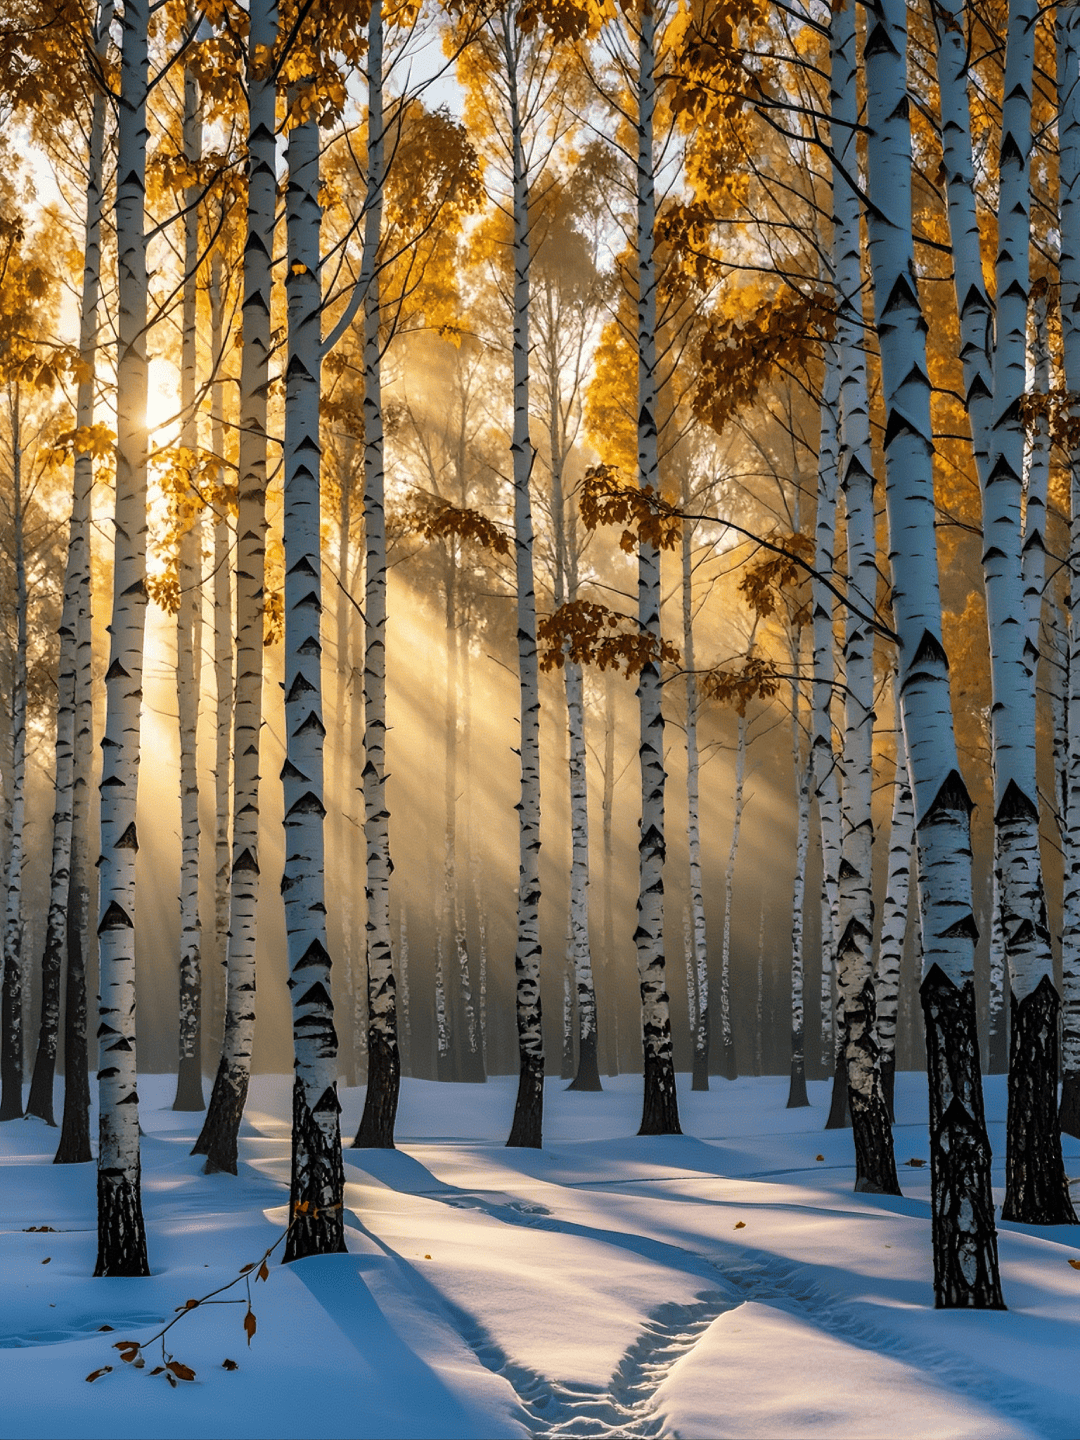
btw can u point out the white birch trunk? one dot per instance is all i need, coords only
(1033, 555)
(218, 1140)
(74, 1144)
(797, 1096)
(894, 910)
(1068, 42)
(727, 1038)
(825, 773)
(384, 1060)
(121, 1234)
(875, 1164)
(964, 1238)
(698, 951)
(527, 1128)
(660, 1110)
(189, 1069)
(11, 1034)
(1036, 1191)
(318, 1176)
(223, 670)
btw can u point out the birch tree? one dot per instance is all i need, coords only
(189, 1094)
(995, 375)
(1068, 80)
(74, 1144)
(11, 1012)
(318, 1176)
(384, 1060)
(218, 1137)
(962, 1216)
(875, 1165)
(121, 1233)
(894, 912)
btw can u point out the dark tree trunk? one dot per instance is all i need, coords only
(1069, 1114)
(40, 1102)
(660, 1111)
(376, 1130)
(965, 1241)
(888, 1085)
(189, 1091)
(588, 1071)
(218, 1139)
(121, 1232)
(11, 1057)
(318, 1175)
(875, 1162)
(797, 1096)
(74, 1146)
(839, 1114)
(528, 1127)
(1036, 1190)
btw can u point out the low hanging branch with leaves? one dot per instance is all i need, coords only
(587, 633)
(132, 1352)
(758, 679)
(608, 498)
(436, 519)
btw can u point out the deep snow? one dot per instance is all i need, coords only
(726, 1283)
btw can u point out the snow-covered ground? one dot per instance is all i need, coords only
(723, 1283)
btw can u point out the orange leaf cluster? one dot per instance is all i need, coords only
(610, 498)
(591, 634)
(435, 519)
(739, 357)
(758, 679)
(762, 581)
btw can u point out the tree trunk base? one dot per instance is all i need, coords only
(527, 1131)
(728, 1067)
(1036, 1190)
(189, 1091)
(797, 1096)
(121, 1231)
(588, 1072)
(839, 1113)
(74, 1146)
(376, 1130)
(961, 1202)
(660, 1107)
(888, 1085)
(317, 1221)
(218, 1140)
(1069, 1113)
(40, 1102)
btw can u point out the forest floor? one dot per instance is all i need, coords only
(725, 1283)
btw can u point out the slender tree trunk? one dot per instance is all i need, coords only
(1068, 42)
(797, 1096)
(660, 1110)
(587, 1076)
(189, 1093)
(218, 1139)
(875, 1164)
(608, 835)
(894, 913)
(729, 1068)
(74, 1144)
(318, 1176)
(962, 1213)
(11, 1019)
(223, 673)
(121, 1233)
(825, 774)
(527, 1128)
(697, 953)
(384, 1061)
(1036, 1191)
